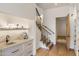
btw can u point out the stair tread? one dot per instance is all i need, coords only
(50, 45)
(47, 43)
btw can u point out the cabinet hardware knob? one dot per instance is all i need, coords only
(15, 51)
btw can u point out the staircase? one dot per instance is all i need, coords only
(45, 33)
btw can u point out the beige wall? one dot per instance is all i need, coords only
(61, 26)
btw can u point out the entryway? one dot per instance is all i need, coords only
(61, 30)
(62, 42)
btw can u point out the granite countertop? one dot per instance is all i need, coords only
(16, 42)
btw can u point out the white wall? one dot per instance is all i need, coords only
(25, 10)
(38, 32)
(72, 27)
(50, 18)
(77, 32)
(61, 26)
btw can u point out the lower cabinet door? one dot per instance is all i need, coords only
(24, 49)
(28, 48)
(14, 51)
(28, 51)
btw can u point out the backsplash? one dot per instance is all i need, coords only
(14, 34)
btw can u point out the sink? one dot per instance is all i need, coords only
(10, 43)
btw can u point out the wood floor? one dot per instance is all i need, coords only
(58, 50)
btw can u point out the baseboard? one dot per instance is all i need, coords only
(61, 37)
(38, 49)
(71, 49)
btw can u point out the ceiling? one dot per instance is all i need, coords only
(54, 5)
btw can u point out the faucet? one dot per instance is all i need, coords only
(25, 35)
(7, 38)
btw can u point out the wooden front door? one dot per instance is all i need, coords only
(68, 32)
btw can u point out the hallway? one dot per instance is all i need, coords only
(58, 50)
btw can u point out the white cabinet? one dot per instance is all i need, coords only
(13, 51)
(28, 48)
(23, 49)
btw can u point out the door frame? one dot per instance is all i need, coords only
(68, 32)
(56, 27)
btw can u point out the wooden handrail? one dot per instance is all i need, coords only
(38, 13)
(44, 25)
(48, 29)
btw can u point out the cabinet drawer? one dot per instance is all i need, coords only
(28, 48)
(28, 43)
(28, 52)
(13, 51)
